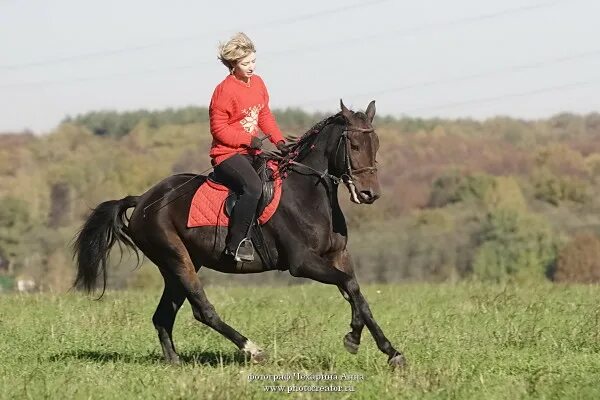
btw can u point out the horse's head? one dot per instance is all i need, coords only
(361, 145)
(348, 146)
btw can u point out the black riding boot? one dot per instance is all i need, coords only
(238, 174)
(238, 240)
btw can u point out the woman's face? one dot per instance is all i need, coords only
(244, 68)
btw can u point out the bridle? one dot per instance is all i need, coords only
(348, 173)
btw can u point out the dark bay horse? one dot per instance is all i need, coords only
(306, 236)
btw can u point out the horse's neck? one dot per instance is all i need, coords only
(316, 196)
(320, 158)
(325, 160)
(323, 149)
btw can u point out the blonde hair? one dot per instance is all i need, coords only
(236, 48)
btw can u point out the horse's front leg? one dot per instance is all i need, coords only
(343, 262)
(352, 338)
(306, 264)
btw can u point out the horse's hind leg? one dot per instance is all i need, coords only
(183, 268)
(164, 317)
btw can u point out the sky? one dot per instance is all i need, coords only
(432, 58)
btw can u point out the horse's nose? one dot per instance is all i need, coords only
(369, 196)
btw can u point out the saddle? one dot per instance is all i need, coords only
(266, 177)
(213, 203)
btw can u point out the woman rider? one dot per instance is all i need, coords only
(238, 108)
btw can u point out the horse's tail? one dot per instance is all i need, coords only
(106, 225)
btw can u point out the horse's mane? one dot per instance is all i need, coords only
(299, 145)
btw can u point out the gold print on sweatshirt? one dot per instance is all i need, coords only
(250, 122)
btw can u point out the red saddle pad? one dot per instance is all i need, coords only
(208, 204)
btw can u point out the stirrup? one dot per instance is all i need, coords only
(244, 251)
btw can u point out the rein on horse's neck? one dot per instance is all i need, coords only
(317, 151)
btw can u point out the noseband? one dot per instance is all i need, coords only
(349, 172)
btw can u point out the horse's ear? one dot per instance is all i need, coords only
(371, 111)
(345, 112)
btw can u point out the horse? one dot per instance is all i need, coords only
(306, 236)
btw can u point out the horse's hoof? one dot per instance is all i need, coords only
(398, 361)
(259, 357)
(173, 360)
(350, 345)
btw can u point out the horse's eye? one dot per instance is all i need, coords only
(353, 146)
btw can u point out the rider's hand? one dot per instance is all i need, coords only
(281, 146)
(255, 143)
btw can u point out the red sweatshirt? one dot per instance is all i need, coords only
(236, 112)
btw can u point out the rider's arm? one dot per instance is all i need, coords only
(266, 120)
(232, 135)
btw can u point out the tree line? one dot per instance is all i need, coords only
(501, 199)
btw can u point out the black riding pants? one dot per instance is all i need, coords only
(237, 173)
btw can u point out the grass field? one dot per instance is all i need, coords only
(461, 341)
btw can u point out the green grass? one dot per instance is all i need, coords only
(461, 341)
